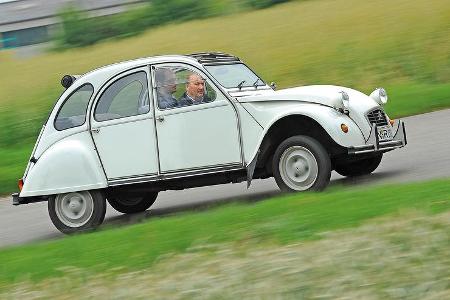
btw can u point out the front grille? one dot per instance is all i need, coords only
(377, 117)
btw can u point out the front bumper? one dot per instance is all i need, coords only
(373, 144)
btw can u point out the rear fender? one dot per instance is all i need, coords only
(69, 165)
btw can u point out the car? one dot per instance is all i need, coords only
(125, 132)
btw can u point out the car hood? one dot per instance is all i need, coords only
(329, 95)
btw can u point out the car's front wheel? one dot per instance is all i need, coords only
(359, 167)
(301, 163)
(133, 204)
(77, 211)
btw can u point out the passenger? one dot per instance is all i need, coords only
(195, 91)
(165, 87)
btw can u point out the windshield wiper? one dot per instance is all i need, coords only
(255, 84)
(240, 85)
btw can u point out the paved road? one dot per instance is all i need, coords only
(426, 156)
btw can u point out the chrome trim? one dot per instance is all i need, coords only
(201, 171)
(133, 179)
(374, 145)
(174, 175)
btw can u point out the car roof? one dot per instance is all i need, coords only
(134, 63)
(102, 74)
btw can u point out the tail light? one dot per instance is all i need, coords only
(20, 184)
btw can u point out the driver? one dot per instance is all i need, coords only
(195, 91)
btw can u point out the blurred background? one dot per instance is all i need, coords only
(401, 45)
(249, 249)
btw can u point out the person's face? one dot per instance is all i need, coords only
(171, 86)
(195, 87)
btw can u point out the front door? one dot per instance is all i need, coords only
(123, 127)
(197, 126)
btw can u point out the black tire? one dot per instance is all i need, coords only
(132, 205)
(77, 211)
(303, 156)
(360, 167)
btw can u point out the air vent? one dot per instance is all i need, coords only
(377, 117)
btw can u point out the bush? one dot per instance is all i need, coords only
(80, 30)
(263, 3)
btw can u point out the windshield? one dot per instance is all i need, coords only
(235, 76)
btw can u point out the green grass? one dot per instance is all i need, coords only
(13, 163)
(280, 220)
(417, 98)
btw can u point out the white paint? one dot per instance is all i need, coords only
(267, 113)
(251, 133)
(127, 148)
(193, 137)
(198, 136)
(67, 166)
(127, 145)
(328, 95)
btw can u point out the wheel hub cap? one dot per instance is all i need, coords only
(298, 168)
(74, 209)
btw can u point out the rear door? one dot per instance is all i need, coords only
(123, 127)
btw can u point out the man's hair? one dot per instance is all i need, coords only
(161, 76)
(189, 75)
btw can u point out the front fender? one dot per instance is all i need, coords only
(69, 165)
(268, 113)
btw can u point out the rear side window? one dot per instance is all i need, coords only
(126, 97)
(73, 112)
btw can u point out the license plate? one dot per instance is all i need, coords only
(384, 133)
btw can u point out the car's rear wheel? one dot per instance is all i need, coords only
(77, 211)
(301, 163)
(133, 204)
(359, 167)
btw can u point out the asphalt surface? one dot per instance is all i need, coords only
(426, 156)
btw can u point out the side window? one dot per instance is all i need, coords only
(126, 97)
(179, 86)
(73, 112)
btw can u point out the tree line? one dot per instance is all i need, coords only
(78, 29)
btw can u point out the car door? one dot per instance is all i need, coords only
(123, 127)
(194, 137)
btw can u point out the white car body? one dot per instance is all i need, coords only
(156, 147)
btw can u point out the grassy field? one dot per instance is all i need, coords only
(401, 45)
(283, 220)
(404, 256)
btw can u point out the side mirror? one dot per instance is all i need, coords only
(273, 85)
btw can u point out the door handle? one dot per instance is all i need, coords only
(160, 118)
(96, 130)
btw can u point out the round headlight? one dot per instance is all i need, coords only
(380, 96)
(383, 95)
